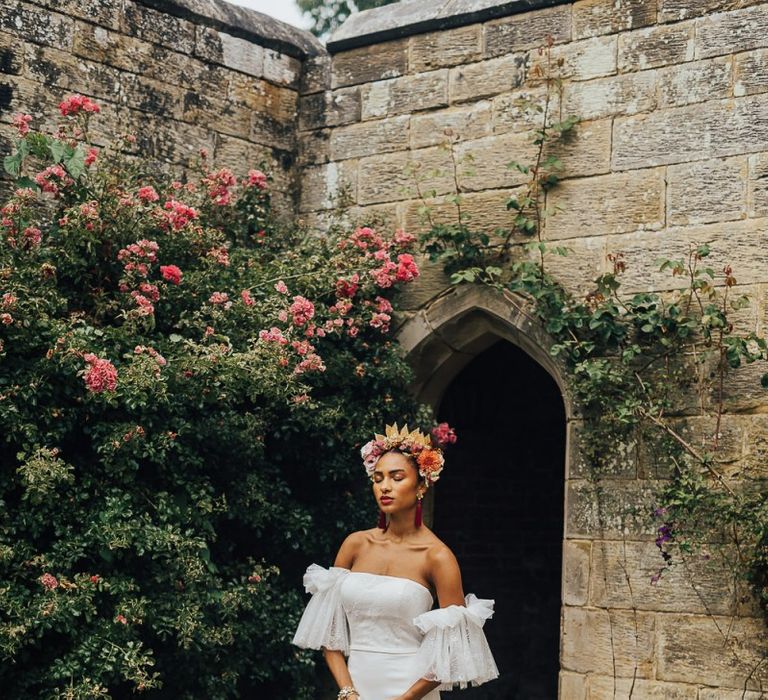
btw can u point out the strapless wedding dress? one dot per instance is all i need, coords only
(387, 628)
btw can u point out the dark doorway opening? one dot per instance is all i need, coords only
(499, 506)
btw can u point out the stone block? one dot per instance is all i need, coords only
(104, 13)
(279, 103)
(315, 74)
(606, 204)
(230, 51)
(470, 122)
(756, 457)
(622, 572)
(607, 688)
(709, 130)
(628, 93)
(576, 563)
(757, 185)
(695, 82)
(474, 81)
(330, 108)
(750, 72)
(270, 132)
(732, 32)
(715, 651)
(572, 686)
(36, 24)
(314, 147)
(739, 243)
(676, 10)
(608, 642)
(157, 27)
(149, 60)
(229, 117)
(11, 54)
(521, 110)
(527, 30)
(742, 390)
(323, 185)
(241, 155)
(586, 150)
(594, 17)
(725, 694)
(444, 49)
(165, 139)
(483, 164)
(577, 270)
(369, 63)
(581, 60)
(612, 508)
(618, 462)
(656, 46)
(706, 191)
(53, 67)
(411, 93)
(385, 178)
(281, 69)
(484, 211)
(364, 139)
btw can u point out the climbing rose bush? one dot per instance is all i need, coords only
(184, 388)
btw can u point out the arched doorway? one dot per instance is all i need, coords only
(482, 361)
(499, 507)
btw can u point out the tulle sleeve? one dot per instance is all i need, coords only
(324, 622)
(454, 649)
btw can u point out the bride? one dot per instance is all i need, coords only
(374, 605)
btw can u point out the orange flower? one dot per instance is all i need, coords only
(430, 461)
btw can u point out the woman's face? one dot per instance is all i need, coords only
(396, 482)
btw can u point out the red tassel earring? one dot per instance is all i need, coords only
(383, 524)
(417, 519)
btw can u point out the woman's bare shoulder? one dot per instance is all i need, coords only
(439, 553)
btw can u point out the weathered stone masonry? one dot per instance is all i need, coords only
(673, 148)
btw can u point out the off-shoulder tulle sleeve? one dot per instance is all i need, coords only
(454, 649)
(324, 622)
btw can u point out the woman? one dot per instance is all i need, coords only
(375, 604)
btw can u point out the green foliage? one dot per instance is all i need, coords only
(328, 15)
(176, 443)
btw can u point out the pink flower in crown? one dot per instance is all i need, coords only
(370, 452)
(444, 434)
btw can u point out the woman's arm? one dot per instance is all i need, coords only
(446, 576)
(335, 660)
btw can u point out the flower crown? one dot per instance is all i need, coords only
(429, 457)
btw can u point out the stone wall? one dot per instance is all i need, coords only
(672, 148)
(182, 74)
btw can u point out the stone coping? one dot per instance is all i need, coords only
(243, 23)
(410, 17)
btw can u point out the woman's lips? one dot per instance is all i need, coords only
(385, 500)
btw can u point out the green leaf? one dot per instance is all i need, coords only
(76, 163)
(12, 164)
(57, 148)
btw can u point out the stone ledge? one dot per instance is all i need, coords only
(420, 16)
(242, 23)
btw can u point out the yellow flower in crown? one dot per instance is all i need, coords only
(412, 442)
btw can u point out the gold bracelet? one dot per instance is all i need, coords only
(346, 692)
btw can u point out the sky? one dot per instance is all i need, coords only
(285, 10)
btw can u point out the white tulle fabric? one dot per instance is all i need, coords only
(324, 623)
(386, 626)
(454, 649)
